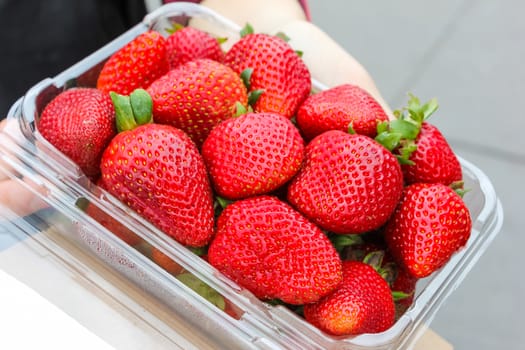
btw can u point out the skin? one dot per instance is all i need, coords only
(329, 63)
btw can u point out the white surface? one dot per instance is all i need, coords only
(31, 322)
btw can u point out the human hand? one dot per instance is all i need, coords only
(14, 193)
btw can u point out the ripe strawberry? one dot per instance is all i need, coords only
(158, 172)
(433, 160)
(136, 65)
(270, 249)
(275, 68)
(338, 108)
(374, 252)
(423, 151)
(196, 96)
(430, 224)
(348, 184)
(79, 122)
(363, 303)
(253, 154)
(186, 44)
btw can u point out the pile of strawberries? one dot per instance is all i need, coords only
(312, 200)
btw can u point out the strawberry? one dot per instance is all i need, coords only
(196, 96)
(374, 252)
(433, 160)
(253, 154)
(363, 303)
(423, 151)
(348, 184)
(158, 172)
(430, 224)
(273, 67)
(79, 122)
(270, 249)
(338, 108)
(136, 65)
(187, 44)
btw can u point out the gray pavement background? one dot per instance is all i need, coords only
(469, 54)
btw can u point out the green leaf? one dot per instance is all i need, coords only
(375, 259)
(283, 36)
(240, 109)
(247, 29)
(351, 130)
(246, 76)
(200, 251)
(430, 107)
(389, 140)
(123, 112)
(382, 127)
(407, 130)
(398, 295)
(174, 27)
(341, 241)
(254, 95)
(222, 40)
(299, 53)
(142, 106)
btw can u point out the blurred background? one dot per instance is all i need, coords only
(469, 54)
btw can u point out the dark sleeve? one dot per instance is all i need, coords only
(42, 38)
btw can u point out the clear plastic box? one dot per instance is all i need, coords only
(63, 190)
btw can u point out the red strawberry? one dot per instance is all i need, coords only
(79, 122)
(421, 148)
(136, 65)
(158, 172)
(430, 224)
(433, 160)
(187, 44)
(363, 303)
(276, 69)
(270, 249)
(348, 184)
(253, 154)
(196, 96)
(338, 108)
(375, 252)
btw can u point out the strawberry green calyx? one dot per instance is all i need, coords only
(246, 76)
(399, 295)
(253, 96)
(133, 110)
(142, 106)
(340, 242)
(387, 271)
(246, 30)
(174, 27)
(399, 135)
